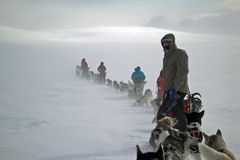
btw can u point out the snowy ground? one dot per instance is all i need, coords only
(47, 113)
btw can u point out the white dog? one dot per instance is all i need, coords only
(214, 148)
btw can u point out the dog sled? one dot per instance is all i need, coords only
(191, 103)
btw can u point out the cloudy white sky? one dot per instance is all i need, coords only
(205, 16)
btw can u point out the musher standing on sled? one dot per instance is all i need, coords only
(138, 78)
(84, 68)
(102, 70)
(175, 75)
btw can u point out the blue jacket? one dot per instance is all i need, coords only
(138, 76)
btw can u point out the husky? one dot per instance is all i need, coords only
(78, 70)
(214, 148)
(123, 86)
(91, 74)
(138, 89)
(145, 99)
(150, 155)
(109, 83)
(131, 93)
(95, 77)
(161, 131)
(155, 104)
(194, 122)
(177, 145)
(116, 86)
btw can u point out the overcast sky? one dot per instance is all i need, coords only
(203, 16)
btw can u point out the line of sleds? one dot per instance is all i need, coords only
(89, 75)
(142, 98)
(166, 142)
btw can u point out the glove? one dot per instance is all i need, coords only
(172, 94)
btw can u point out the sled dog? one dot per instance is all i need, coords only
(131, 93)
(145, 99)
(91, 75)
(194, 122)
(116, 86)
(150, 155)
(78, 70)
(177, 145)
(123, 86)
(109, 83)
(161, 131)
(214, 148)
(155, 104)
(95, 77)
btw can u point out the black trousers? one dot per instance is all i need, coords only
(177, 110)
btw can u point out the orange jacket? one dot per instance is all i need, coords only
(160, 84)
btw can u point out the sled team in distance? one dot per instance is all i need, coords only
(178, 114)
(134, 88)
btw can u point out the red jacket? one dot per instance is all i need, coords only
(160, 84)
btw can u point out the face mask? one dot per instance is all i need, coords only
(166, 43)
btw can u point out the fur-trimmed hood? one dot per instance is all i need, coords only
(173, 45)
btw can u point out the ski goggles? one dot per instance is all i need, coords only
(166, 43)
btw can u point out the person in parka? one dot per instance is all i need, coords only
(175, 74)
(84, 67)
(102, 71)
(138, 78)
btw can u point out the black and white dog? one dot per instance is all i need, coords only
(194, 120)
(150, 155)
(177, 145)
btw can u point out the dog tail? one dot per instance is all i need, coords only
(139, 152)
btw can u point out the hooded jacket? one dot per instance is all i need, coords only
(138, 76)
(101, 68)
(84, 64)
(175, 67)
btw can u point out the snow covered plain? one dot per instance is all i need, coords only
(47, 113)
